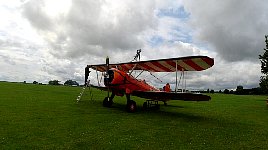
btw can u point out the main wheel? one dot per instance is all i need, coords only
(107, 102)
(131, 106)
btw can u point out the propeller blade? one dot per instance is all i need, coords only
(86, 74)
(107, 75)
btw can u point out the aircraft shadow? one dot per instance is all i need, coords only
(151, 112)
(172, 106)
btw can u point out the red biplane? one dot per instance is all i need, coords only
(118, 79)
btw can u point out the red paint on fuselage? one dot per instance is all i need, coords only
(127, 83)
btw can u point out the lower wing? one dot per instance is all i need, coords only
(100, 87)
(164, 96)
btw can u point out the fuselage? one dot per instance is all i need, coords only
(120, 81)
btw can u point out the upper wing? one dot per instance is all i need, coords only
(162, 96)
(191, 63)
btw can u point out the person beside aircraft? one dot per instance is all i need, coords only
(167, 88)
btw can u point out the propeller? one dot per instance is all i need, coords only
(106, 78)
(86, 74)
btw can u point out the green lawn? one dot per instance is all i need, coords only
(48, 117)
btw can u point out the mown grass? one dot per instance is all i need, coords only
(48, 117)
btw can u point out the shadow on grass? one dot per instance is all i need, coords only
(150, 113)
(172, 106)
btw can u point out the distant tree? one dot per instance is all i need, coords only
(264, 58)
(75, 83)
(71, 82)
(220, 91)
(264, 68)
(207, 90)
(212, 91)
(68, 82)
(256, 91)
(264, 84)
(54, 82)
(24, 82)
(226, 91)
(231, 92)
(35, 82)
(239, 90)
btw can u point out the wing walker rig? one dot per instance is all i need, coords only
(119, 80)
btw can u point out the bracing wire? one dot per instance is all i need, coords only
(156, 77)
(165, 75)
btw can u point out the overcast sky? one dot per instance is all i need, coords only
(42, 40)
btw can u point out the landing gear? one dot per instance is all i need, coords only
(131, 106)
(165, 103)
(151, 104)
(107, 102)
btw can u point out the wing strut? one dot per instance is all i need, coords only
(183, 80)
(182, 77)
(133, 69)
(176, 88)
(98, 78)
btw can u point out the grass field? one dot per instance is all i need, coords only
(48, 117)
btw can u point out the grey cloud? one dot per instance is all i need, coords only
(63, 69)
(11, 42)
(94, 27)
(235, 29)
(34, 11)
(7, 59)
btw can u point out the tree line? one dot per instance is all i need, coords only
(68, 82)
(57, 82)
(238, 91)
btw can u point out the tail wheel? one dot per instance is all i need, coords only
(131, 106)
(107, 102)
